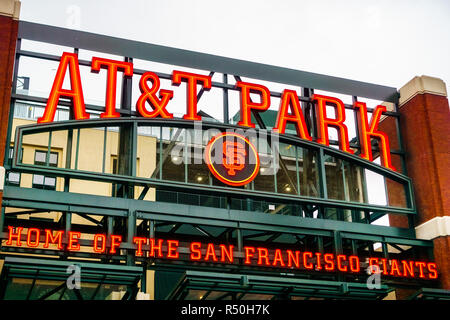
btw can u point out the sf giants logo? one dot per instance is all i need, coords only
(232, 159)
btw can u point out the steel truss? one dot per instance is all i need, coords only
(123, 214)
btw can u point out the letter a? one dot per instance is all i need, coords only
(75, 93)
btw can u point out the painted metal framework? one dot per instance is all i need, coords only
(129, 216)
(241, 287)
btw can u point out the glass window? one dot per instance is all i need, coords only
(41, 181)
(173, 154)
(39, 157)
(287, 170)
(198, 171)
(265, 180)
(12, 178)
(308, 172)
(345, 181)
(396, 193)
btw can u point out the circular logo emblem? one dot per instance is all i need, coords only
(232, 159)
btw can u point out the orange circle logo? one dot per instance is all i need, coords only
(232, 159)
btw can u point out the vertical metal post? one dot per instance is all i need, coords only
(308, 112)
(49, 146)
(160, 152)
(275, 165)
(400, 140)
(320, 244)
(68, 226)
(239, 239)
(225, 100)
(134, 146)
(297, 170)
(2, 221)
(12, 104)
(337, 242)
(126, 140)
(105, 134)
(77, 148)
(355, 115)
(185, 158)
(144, 278)
(385, 250)
(152, 229)
(131, 231)
(68, 158)
(322, 175)
(354, 247)
(110, 226)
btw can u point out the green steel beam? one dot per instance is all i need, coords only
(72, 202)
(180, 186)
(274, 286)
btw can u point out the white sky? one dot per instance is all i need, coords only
(380, 41)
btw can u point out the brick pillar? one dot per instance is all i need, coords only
(425, 127)
(9, 15)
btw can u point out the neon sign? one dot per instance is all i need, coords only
(225, 253)
(158, 99)
(232, 159)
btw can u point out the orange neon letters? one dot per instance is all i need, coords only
(329, 261)
(37, 234)
(289, 110)
(341, 267)
(293, 259)
(249, 252)
(73, 241)
(226, 253)
(50, 239)
(323, 121)
(306, 264)
(98, 237)
(75, 93)
(210, 252)
(172, 249)
(11, 235)
(149, 94)
(431, 266)
(139, 241)
(366, 132)
(278, 258)
(354, 264)
(191, 79)
(290, 98)
(115, 243)
(196, 253)
(247, 105)
(111, 81)
(153, 248)
(263, 254)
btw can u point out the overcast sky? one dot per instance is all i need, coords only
(383, 42)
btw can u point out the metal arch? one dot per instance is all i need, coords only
(172, 185)
(92, 123)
